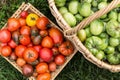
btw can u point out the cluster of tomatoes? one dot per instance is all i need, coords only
(36, 46)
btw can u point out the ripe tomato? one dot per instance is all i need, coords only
(13, 56)
(55, 51)
(42, 67)
(43, 33)
(52, 66)
(22, 21)
(13, 24)
(36, 40)
(37, 48)
(19, 50)
(30, 54)
(24, 14)
(66, 48)
(6, 51)
(34, 31)
(42, 23)
(47, 42)
(31, 19)
(3, 44)
(30, 45)
(59, 59)
(5, 35)
(12, 44)
(56, 35)
(25, 30)
(20, 62)
(15, 36)
(46, 54)
(25, 39)
(44, 76)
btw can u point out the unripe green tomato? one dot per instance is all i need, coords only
(81, 35)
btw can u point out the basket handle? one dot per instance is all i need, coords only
(71, 32)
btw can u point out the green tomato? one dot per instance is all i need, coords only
(113, 28)
(94, 3)
(78, 17)
(93, 44)
(118, 47)
(103, 16)
(96, 27)
(102, 5)
(60, 4)
(73, 7)
(114, 42)
(104, 35)
(113, 59)
(81, 35)
(104, 45)
(94, 51)
(118, 17)
(109, 50)
(88, 1)
(85, 9)
(60, 1)
(70, 19)
(100, 55)
(113, 15)
(88, 33)
(63, 10)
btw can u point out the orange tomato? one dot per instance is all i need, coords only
(44, 76)
(25, 30)
(22, 21)
(6, 51)
(42, 67)
(25, 39)
(20, 62)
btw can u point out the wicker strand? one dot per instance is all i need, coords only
(88, 20)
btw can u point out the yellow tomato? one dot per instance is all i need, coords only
(31, 19)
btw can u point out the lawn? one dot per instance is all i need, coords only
(77, 69)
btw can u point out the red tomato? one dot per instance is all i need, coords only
(44, 76)
(25, 30)
(46, 54)
(43, 33)
(59, 59)
(20, 62)
(25, 39)
(52, 66)
(47, 42)
(22, 21)
(19, 50)
(5, 35)
(30, 45)
(55, 51)
(13, 56)
(13, 24)
(30, 54)
(12, 44)
(24, 14)
(37, 48)
(6, 51)
(42, 23)
(3, 44)
(42, 67)
(66, 48)
(56, 35)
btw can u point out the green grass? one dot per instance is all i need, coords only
(77, 69)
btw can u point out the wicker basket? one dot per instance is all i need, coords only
(71, 33)
(31, 9)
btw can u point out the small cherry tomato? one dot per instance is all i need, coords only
(20, 62)
(6, 51)
(42, 23)
(13, 24)
(24, 14)
(25, 39)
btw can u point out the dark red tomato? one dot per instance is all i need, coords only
(6, 51)
(13, 24)
(3, 44)
(25, 30)
(19, 50)
(12, 44)
(25, 39)
(22, 21)
(56, 35)
(66, 48)
(5, 36)
(34, 31)
(24, 14)
(59, 59)
(30, 54)
(47, 42)
(43, 33)
(37, 40)
(55, 51)
(46, 54)
(37, 48)
(15, 36)
(42, 23)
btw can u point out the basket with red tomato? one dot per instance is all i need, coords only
(35, 45)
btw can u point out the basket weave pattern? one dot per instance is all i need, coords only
(71, 33)
(31, 9)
